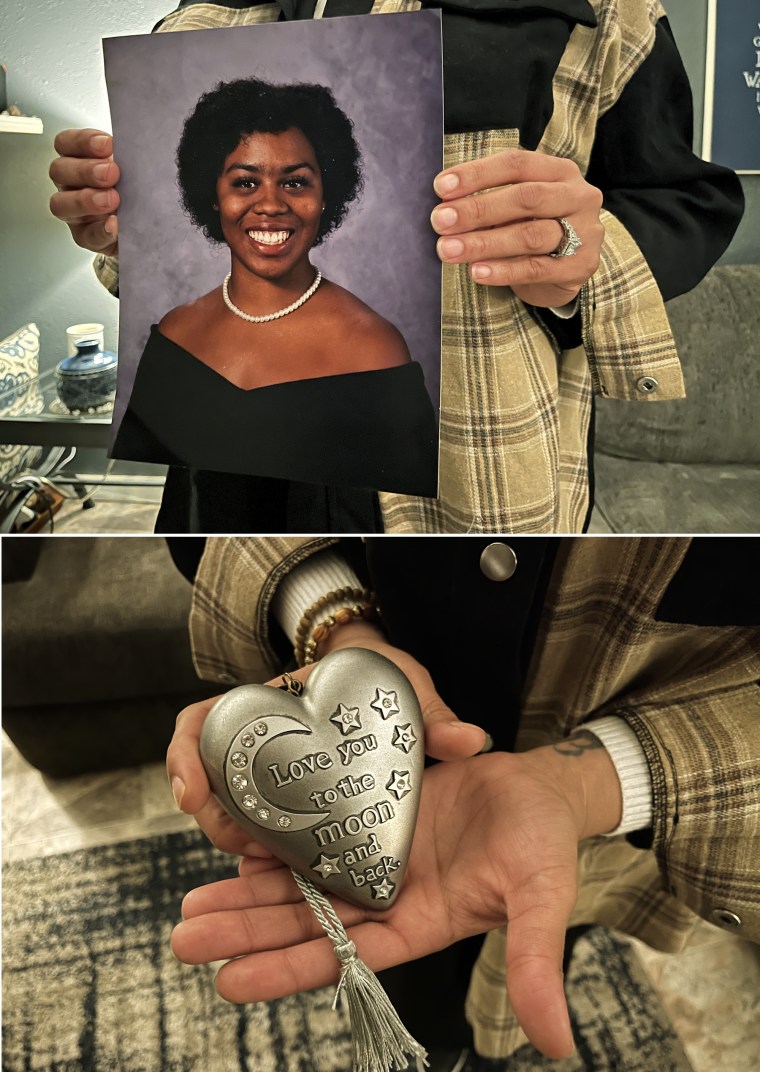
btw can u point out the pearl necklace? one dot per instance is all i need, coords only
(270, 316)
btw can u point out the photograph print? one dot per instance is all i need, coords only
(278, 283)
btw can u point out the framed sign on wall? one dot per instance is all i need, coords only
(731, 133)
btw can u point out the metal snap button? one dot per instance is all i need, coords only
(724, 918)
(498, 562)
(647, 385)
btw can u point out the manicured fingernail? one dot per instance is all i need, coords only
(487, 744)
(100, 171)
(445, 217)
(178, 790)
(99, 143)
(444, 184)
(110, 225)
(102, 200)
(450, 247)
(481, 271)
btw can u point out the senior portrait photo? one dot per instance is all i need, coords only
(279, 286)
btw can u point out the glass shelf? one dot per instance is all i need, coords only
(40, 417)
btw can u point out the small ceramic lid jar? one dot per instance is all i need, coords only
(87, 380)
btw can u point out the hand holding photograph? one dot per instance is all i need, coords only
(297, 363)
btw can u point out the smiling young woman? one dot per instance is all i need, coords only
(270, 205)
(276, 360)
(270, 202)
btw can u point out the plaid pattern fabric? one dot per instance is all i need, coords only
(503, 394)
(233, 590)
(514, 410)
(211, 16)
(107, 271)
(690, 693)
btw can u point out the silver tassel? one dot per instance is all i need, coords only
(380, 1041)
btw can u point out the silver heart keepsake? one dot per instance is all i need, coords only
(328, 780)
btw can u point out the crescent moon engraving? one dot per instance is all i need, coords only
(241, 783)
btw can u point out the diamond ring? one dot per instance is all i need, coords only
(570, 243)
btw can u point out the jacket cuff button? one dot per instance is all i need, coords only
(727, 919)
(647, 385)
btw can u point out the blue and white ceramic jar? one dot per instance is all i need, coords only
(88, 379)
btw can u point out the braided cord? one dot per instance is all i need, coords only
(380, 1040)
(327, 916)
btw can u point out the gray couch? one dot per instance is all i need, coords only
(692, 465)
(96, 652)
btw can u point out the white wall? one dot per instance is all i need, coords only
(52, 49)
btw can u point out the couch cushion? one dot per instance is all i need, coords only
(19, 367)
(717, 328)
(101, 617)
(675, 498)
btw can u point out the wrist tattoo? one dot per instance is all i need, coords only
(578, 743)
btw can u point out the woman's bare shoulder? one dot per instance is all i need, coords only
(373, 341)
(185, 322)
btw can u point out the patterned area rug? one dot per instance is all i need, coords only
(90, 984)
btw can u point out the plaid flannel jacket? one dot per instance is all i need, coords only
(689, 692)
(515, 411)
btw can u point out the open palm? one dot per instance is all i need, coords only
(495, 842)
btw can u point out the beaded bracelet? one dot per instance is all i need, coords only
(367, 611)
(305, 627)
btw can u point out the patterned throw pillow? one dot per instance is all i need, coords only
(20, 393)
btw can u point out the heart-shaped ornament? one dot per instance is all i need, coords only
(328, 780)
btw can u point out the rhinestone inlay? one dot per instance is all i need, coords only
(263, 813)
(284, 821)
(239, 759)
(260, 728)
(249, 801)
(239, 781)
(248, 740)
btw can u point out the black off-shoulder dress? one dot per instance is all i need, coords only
(277, 458)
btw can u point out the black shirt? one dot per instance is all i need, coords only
(372, 429)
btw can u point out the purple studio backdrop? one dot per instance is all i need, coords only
(385, 73)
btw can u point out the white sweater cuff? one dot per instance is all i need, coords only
(566, 312)
(309, 581)
(632, 768)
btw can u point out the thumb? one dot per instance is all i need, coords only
(446, 736)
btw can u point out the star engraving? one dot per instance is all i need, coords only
(399, 783)
(386, 703)
(383, 890)
(403, 737)
(328, 865)
(347, 718)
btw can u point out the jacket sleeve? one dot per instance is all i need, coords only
(681, 211)
(230, 624)
(668, 217)
(107, 271)
(704, 757)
